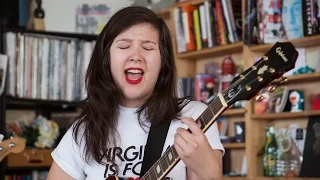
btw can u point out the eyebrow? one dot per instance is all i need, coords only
(130, 40)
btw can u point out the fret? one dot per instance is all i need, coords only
(208, 115)
(170, 156)
(215, 106)
(210, 108)
(146, 176)
(174, 153)
(164, 164)
(167, 160)
(153, 174)
(158, 169)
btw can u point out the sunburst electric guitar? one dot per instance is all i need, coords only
(278, 60)
(14, 144)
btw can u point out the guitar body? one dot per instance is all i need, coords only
(119, 178)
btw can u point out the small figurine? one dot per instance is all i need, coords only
(316, 102)
(297, 101)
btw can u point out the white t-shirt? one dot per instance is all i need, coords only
(69, 156)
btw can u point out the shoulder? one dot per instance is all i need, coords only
(68, 154)
(193, 109)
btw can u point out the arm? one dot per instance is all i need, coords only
(56, 172)
(197, 153)
(67, 162)
(218, 171)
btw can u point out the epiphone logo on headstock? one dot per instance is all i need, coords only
(233, 92)
(281, 54)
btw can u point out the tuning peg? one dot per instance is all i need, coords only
(11, 134)
(272, 70)
(265, 58)
(283, 80)
(259, 98)
(271, 88)
(254, 68)
(260, 78)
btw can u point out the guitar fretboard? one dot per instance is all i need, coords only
(170, 158)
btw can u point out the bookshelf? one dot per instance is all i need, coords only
(193, 62)
(37, 158)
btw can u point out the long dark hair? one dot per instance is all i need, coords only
(99, 116)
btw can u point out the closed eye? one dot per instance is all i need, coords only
(123, 47)
(148, 49)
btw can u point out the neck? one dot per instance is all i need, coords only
(131, 103)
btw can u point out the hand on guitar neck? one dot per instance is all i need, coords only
(13, 144)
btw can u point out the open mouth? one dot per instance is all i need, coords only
(134, 75)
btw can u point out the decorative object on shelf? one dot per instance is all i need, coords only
(311, 154)
(296, 99)
(91, 18)
(239, 131)
(289, 156)
(228, 70)
(270, 152)
(48, 132)
(155, 4)
(205, 87)
(315, 102)
(37, 14)
(278, 100)
(14, 144)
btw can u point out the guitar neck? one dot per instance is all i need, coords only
(170, 158)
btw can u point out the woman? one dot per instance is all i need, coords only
(131, 82)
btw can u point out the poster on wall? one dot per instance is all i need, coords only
(91, 18)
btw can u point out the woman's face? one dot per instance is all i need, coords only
(135, 62)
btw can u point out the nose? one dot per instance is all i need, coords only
(136, 55)
(135, 58)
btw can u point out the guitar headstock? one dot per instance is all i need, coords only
(277, 61)
(14, 144)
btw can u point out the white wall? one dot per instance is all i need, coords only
(60, 14)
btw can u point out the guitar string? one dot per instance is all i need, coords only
(214, 105)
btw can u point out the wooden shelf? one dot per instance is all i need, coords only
(18, 103)
(68, 35)
(164, 12)
(301, 42)
(234, 178)
(193, 2)
(30, 157)
(285, 178)
(234, 145)
(214, 51)
(234, 112)
(304, 78)
(286, 115)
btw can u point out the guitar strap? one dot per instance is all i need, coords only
(155, 142)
